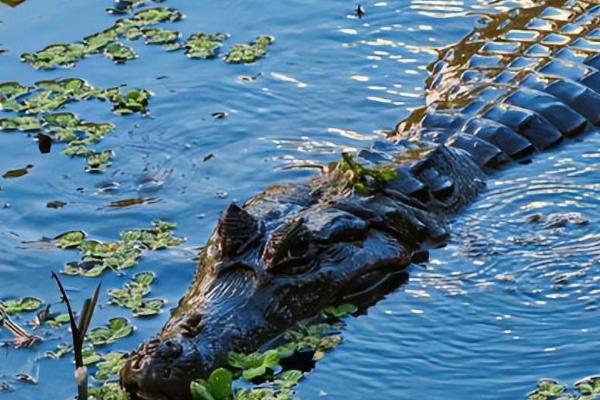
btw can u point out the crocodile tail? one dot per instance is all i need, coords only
(524, 82)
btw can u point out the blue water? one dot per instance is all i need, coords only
(485, 319)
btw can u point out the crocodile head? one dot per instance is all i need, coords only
(265, 267)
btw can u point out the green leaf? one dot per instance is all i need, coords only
(70, 240)
(90, 357)
(160, 36)
(24, 124)
(25, 304)
(289, 379)
(150, 16)
(202, 45)
(219, 384)
(110, 366)
(98, 41)
(58, 321)
(117, 328)
(200, 392)
(340, 311)
(248, 53)
(119, 53)
(254, 365)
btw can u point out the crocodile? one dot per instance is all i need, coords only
(526, 81)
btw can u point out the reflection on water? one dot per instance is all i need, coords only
(506, 302)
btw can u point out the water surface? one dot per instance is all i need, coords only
(485, 319)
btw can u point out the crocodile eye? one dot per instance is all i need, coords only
(236, 229)
(290, 250)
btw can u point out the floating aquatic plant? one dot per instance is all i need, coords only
(160, 36)
(109, 391)
(151, 16)
(98, 162)
(202, 45)
(115, 329)
(340, 311)
(218, 386)
(23, 124)
(315, 338)
(41, 102)
(98, 257)
(134, 101)
(109, 366)
(132, 295)
(248, 53)
(25, 304)
(363, 179)
(58, 320)
(55, 55)
(99, 41)
(549, 389)
(119, 53)
(254, 365)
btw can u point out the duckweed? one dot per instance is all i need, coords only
(197, 46)
(98, 257)
(109, 391)
(41, 102)
(160, 36)
(151, 16)
(132, 294)
(55, 55)
(254, 365)
(202, 45)
(109, 365)
(249, 53)
(117, 328)
(98, 162)
(119, 53)
(549, 389)
(25, 304)
(363, 179)
(58, 320)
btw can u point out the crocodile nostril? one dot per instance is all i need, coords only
(169, 349)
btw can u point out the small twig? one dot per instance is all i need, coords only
(22, 338)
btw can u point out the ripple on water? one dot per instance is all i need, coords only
(512, 298)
